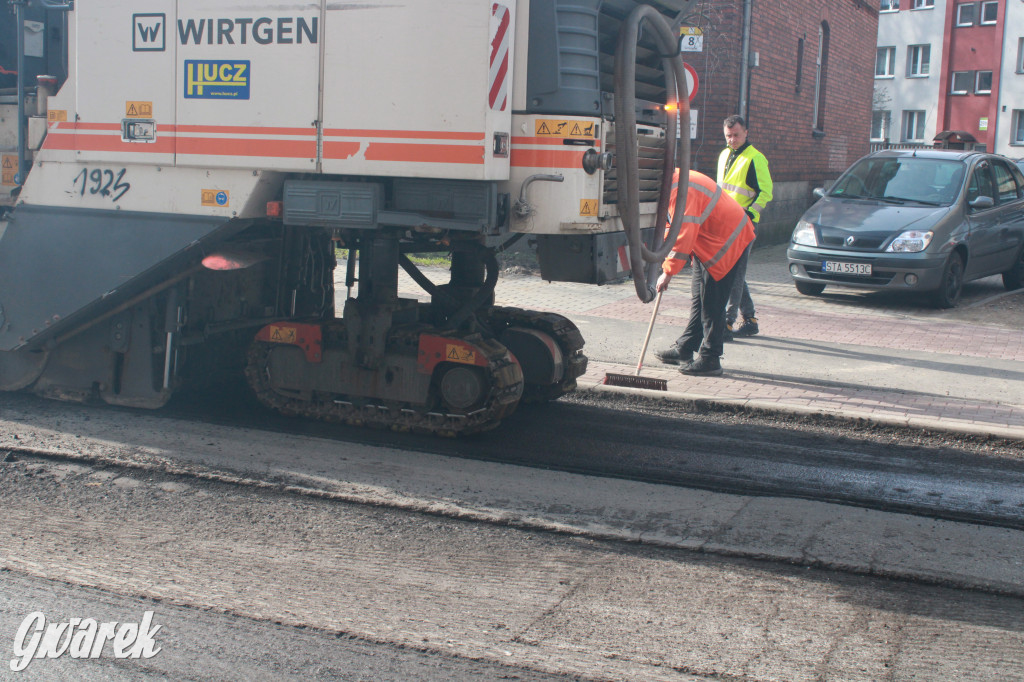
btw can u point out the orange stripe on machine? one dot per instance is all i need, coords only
(546, 158)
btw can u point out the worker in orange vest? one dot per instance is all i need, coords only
(715, 232)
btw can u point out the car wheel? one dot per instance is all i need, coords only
(1014, 277)
(948, 293)
(809, 288)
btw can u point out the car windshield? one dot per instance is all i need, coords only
(935, 182)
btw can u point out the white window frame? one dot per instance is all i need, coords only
(918, 118)
(885, 125)
(981, 15)
(977, 83)
(924, 4)
(966, 87)
(889, 67)
(889, 6)
(973, 6)
(1017, 131)
(915, 56)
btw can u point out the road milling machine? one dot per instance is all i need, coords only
(182, 179)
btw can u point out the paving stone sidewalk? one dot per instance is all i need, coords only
(888, 362)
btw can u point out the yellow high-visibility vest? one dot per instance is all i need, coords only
(734, 182)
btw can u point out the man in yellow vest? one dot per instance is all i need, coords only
(743, 175)
(716, 232)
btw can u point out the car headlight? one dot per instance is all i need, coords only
(911, 241)
(804, 234)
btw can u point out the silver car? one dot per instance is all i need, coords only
(918, 221)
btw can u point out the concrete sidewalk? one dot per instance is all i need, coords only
(853, 354)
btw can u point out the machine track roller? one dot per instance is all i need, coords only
(549, 375)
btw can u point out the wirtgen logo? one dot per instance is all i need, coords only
(82, 638)
(149, 32)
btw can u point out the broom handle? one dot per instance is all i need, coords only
(650, 328)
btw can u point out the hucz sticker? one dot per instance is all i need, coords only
(215, 79)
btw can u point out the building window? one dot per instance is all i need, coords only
(820, 78)
(966, 13)
(885, 62)
(989, 12)
(1017, 132)
(983, 86)
(1020, 55)
(913, 126)
(880, 125)
(799, 62)
(889, 6)
(924, 4)
(963, 82)
(918, 57)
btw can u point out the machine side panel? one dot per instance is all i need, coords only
(59, 266)
(418, 89)
(247, 84)
(124, 78)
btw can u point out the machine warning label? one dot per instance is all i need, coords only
(214, 79)
(588, 207)
(56, 116)
(283, 334)
(216, 198)
(10, 168)
(461, 354)
(138, 110)
(580, 130)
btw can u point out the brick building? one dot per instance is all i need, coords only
(806, 90)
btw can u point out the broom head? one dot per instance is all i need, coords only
(631, 381)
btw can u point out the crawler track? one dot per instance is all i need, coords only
(506, 386)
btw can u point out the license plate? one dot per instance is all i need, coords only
(838, 268)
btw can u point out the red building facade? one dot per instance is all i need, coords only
(973, 50)
(805, 88)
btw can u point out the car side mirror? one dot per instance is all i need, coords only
(818, 192)
(982, 202)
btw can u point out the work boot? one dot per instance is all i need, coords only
(730, 331)
(704, 366)
(674, 356)
(748, 328)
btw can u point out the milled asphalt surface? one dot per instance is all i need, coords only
(868, 355)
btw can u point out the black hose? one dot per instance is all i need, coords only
(643, 261)
(465, 309)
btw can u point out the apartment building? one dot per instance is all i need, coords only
(908, 63)
(1009, 119)
(950, 74)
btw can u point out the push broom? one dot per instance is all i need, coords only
(635, 380)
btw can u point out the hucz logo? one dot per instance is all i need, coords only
(213, 79)
(149, 32)
(82, 638)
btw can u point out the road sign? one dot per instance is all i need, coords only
(691, 39)
(691, 80)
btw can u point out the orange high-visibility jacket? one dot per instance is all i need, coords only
(715, 228)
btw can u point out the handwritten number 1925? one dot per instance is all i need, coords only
(106, 183)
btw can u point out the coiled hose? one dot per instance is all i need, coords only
(643, 261)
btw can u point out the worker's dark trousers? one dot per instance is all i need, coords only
(705, 332)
